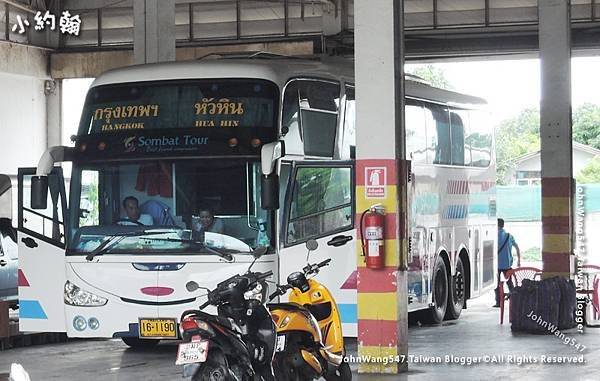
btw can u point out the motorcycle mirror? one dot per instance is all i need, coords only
(259, 251)
(192, 286)
(311, 245)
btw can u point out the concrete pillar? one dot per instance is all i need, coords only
(556, 136)
(53, 92)
(382, 294)
(153, 31)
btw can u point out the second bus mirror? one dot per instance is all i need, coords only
(269, 192)
(269, 154)
(39, 192)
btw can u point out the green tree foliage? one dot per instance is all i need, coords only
(521, 135)
(590, 174)
(434, 75)
(586, 125)
(516, 137)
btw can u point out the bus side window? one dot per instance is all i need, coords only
(438, 134)
(416, 138)
(349, 137)
(460, 125)
(321, 203)
(89, 205)
(319, 103)
(47, 224)
(479, 139)
(457, 139)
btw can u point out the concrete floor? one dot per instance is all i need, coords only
(476, 334)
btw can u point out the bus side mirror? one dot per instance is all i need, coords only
(39, 192)
(269, 190)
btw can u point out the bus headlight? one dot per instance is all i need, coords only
(75, 296)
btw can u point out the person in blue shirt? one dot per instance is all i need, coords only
(505, 259)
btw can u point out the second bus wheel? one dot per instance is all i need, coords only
(435, 314)
(456, 296)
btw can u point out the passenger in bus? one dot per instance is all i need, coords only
(206, 221)
(134, 216)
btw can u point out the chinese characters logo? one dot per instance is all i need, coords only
(67, 23)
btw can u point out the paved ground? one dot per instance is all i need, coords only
(476, 334)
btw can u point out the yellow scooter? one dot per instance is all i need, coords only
(310, 343)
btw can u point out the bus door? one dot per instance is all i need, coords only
(320, 205)
(41, 245)
(418, 267)
(476, 261)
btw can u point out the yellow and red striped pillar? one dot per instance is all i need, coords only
(556, 226)
(556, 137)
(382, 293)
(381, 179)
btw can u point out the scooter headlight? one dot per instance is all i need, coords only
(259, 292)
(75, 296)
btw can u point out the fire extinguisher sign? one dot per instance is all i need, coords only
(375, 182)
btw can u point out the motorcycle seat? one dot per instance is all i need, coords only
(222, 321)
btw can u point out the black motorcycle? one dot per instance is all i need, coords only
(238, 344)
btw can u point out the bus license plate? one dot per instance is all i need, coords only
(158, 328)
(192, 352)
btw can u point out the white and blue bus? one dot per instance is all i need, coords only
(180, 140)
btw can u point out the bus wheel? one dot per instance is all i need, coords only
(436, 313)
(456, 296)
(136, 343)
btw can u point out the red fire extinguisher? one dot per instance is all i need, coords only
(374, 220)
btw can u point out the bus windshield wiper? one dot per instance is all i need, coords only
(213, 250)
(114, 239)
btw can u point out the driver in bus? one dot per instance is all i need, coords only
(134, 216)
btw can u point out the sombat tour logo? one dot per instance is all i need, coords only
(163, 143)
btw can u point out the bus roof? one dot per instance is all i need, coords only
(278, 70)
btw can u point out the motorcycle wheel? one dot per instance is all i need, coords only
(214, 369)
(284, 371)
(342, 373)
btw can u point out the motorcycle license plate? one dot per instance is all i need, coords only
(158, 328)
(192, 352)
(280, 343)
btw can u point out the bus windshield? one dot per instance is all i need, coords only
(168, 206)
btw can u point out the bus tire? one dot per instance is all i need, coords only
(435, 314)
(136, 343)
(456, 296)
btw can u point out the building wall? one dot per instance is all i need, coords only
(580, 160)
(23, 120)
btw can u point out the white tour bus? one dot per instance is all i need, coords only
(162, 148)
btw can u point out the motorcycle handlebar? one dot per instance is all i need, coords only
(219, 294)
(324, 263)
(280, 291)
(265, 275)
(310, 269)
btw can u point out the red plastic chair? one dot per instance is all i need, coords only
(517, 275)
(595, 301)
(589, 270)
